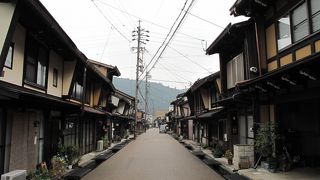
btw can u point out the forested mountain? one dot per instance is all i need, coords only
(160, 96)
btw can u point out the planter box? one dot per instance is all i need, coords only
(243, 155)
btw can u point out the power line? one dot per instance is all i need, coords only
(190, 59)
(105, 45)
(118, 19)
(176, 74)
(184, 71)
(176, 39)
(145, 20)
(161, 80)
(178, 26)
(206, 20)
(129, 18)
(170, 30)
(177, 44)
(110, 22)
(191, 55)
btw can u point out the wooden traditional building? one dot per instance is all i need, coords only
(236, 46)
(180, 117)
(141, 123)
(288, 83)
(120, 106)
(49, 92)
(207, 116)
(122, 119)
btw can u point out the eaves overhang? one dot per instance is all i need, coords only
(100, 75)
(200, 82)
(291, 74)
(52, 26)
(229, 38)
(249, 8)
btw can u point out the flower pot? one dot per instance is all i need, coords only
(230, 161)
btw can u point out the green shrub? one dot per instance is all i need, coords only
(105, 142)
(58, 167)
(41, 173)
(69, 152)
(218, 151)
(228, 154)
(265, 139)
(126, 134)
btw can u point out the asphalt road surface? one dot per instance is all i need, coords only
(153, 156)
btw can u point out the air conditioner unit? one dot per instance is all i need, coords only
(15, 175)
(100, 145)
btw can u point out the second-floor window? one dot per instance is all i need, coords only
(315, 14)
(55, 78)
(9, 58)
(300, 26)
(284, 34)
(36, 63)
(186, 111)
(199, 106)
(235, 71)
(213, 94)
(103, 99)
(182, 111)
(88, 94)
(77, 91)
(296, 25)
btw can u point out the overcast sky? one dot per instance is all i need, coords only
(88, 23)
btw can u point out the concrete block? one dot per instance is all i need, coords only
(251, 159)
(249, 154)
(238, 148)
(248, 148)
(240, 153)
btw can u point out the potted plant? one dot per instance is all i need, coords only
(41, 172)
(117, 138)
(265, 139)
(218, 150)
(69, 152)
(105, 142)
(228, 155)
(58, 167)
(126, 134)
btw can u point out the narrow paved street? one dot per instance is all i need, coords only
(153, 156)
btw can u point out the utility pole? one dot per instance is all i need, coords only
(146, 104)
(139, 35)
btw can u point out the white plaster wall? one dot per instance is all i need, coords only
(55, 62)
(115, 100)
(68, 71)
(205, 97)
(6, 14)
(15, 74)
(120, 108)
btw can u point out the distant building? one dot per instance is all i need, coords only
(160, 113)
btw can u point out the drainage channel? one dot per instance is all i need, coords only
(80, 172)
(213, 164)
